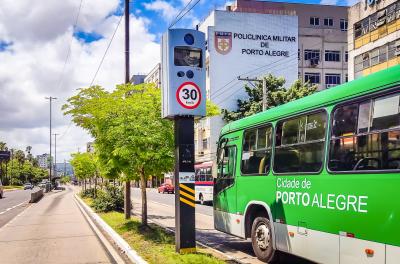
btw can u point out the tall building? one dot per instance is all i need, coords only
(255, 38)
(43, 160)
(374, 37)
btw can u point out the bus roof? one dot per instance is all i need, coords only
(370, 83)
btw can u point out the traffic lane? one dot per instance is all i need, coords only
(161, 210)
(12, 198)
(13, 203)
(169, 199)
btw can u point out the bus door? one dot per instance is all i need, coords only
(225, 190)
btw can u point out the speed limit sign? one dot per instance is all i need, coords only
(188, 95)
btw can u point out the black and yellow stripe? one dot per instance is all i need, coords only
(186, 195)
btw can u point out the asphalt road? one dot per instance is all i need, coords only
(12, 203)
(161, 210)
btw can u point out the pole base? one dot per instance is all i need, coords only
(187, 250)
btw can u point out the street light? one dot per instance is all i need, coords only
(50, 101)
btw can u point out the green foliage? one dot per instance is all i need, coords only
(277, 94)
(88, 193)
(65, 179)
(112, 199)
(84, 165)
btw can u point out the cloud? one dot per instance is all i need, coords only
(328, 2)
(167, 10)
(32, 64)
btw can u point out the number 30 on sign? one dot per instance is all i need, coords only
(188, 95)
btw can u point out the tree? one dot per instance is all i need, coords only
(132, 141)
(84, 165)
(277, 94)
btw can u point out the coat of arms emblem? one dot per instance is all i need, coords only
(223, 42)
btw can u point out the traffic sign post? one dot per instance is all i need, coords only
(183, 98)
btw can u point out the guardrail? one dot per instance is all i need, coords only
(36, 196)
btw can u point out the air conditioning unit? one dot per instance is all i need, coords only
(200, 153)
(314, 62)
(330, 85)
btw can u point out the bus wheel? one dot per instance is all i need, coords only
(261, 239)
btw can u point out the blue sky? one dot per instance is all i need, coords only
(158, 23)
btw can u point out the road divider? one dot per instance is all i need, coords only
(36, 196)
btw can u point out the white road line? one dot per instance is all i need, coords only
(15, 206)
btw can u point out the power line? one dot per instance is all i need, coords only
(105, 52)
(180, 12)
(98, 69)
(187, 11)
(70, 45)
(221, 91)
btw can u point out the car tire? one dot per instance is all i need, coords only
(262, 239)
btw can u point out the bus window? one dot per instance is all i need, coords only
(256, 159)
(226, 168)
(345, 120)
(377, 144)
(300, 144)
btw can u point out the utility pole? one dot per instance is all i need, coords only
(51, 162)
(264, 86)
(127, 204)
(65, 168)
(55, 154)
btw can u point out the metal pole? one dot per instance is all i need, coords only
(185, 233)
(127, 200)
(51, 162)
(55, 154)
(264, 103)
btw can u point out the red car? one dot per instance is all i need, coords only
(166, 188)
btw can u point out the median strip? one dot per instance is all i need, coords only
(152, 243)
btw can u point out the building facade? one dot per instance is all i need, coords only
(322, 53)
(43, 160)
(154, 76)
(319, 54)
(374, 37)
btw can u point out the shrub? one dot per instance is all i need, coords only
(112, 199)
(88, 193)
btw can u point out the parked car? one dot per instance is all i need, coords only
(1, 190)
(166, 188)
(43, 183)
(28, 185)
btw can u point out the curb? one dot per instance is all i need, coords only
(229, 258)
(118, 240)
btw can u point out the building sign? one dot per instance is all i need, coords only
(249, 42)
(223, 42)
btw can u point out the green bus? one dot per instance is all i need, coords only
(318, 177)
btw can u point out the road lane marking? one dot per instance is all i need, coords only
(10, 208)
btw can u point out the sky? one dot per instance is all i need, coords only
(47, 50)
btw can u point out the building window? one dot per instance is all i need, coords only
(328, 22)
(365, 59)
(205, 143)
(343, 24)
(374, 57)
(298, 54)
(346, 77)
(332, 55)
(311, 54)
(346, 56)
(331, 80)
(312, 77)
(314, 21)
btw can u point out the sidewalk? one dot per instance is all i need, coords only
(51, 231)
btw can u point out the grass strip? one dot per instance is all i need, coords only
(152, 243)
(8, 187)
